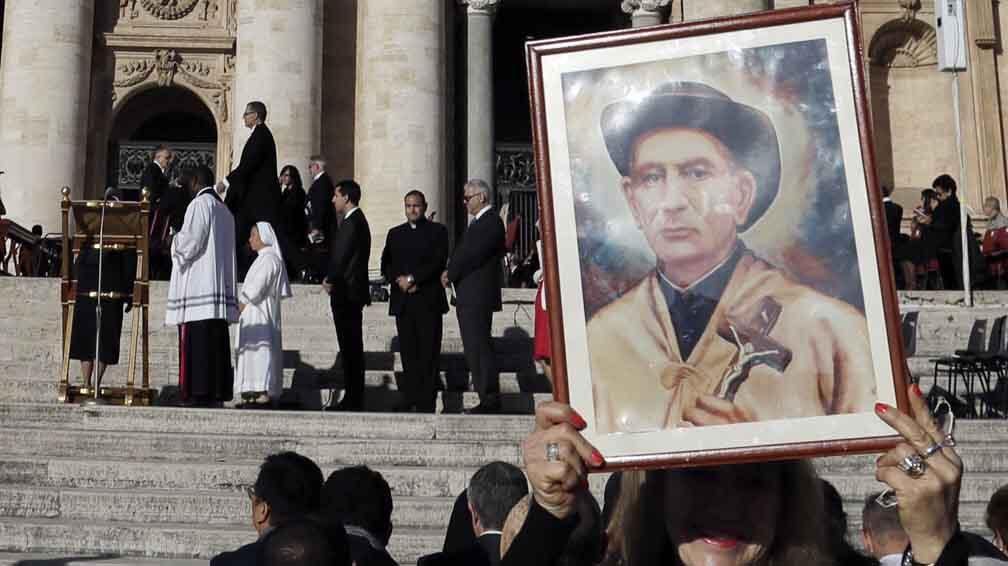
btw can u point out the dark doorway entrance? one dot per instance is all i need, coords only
(170, 116)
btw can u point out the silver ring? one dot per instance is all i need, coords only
(913, 466)
(949, 441)
(552, 452)
(935, 447)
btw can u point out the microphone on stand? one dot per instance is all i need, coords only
(96, 398)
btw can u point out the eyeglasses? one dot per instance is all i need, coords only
(250, 491)
(467, 198)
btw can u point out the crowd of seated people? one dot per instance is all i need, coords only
(546, 515)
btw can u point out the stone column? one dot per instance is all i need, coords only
(982, 43)
(703, 9)
(279, 62)
(44, 93)
(644, 13)
(480, 153)
(399, 131)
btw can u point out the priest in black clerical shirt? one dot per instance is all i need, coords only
(415, 254)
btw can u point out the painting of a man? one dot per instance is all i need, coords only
(713, 334)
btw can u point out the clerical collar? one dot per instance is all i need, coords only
(691, 309)
(711, 283)
(413, 225)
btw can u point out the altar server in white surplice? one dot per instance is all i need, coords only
(259, 373)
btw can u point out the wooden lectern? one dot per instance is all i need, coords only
(125, 229)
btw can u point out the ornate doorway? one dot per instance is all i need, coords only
(171, 116)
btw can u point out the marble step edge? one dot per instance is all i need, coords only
(223, 508)
(166, 540)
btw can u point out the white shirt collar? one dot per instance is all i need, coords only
(886, 199)
(349, 212)
(491, 532)
(163, 171)
(482, 212)
(320, 173)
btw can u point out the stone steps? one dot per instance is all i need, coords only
(211, 507)
(90, 559)
(169, 540)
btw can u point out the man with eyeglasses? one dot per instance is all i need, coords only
(252, 189)
(288, 488)
(474, 273)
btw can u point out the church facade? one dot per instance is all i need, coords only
(408, 94)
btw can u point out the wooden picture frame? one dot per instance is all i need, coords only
(678, 343)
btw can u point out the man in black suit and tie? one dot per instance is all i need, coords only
(414, 257)
(321, 218)
(475, 274)
(349, 289)
(163, 200)
(252, 190)
(493, 490)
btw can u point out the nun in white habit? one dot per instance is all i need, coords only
(259, 371)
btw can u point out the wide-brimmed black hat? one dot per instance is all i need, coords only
(747, 132)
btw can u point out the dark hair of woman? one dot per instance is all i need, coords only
(667, 516)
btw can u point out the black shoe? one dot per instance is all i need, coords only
(483, 409)
(344, 406)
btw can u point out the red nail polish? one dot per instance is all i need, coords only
(917, 390)
(597, 459)
(881, 408)
(577, 421)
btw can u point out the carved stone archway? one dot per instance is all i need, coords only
(901, 46)
(209, 76)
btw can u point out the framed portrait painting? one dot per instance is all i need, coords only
(718, 279)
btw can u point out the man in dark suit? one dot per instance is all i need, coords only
(321, 218)
(474, 272)
(414, 257)
(155, 180)
(349, 289)
(155, 175)
(289, 487)
(945, 223)
(493, 490)
(360, 500)
(252, 190)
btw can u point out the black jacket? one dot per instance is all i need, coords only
(292, 202)
(247, 555)
(421, 252)
(475, 267)
(484, 552)
(894, 217)
(349, 251)
(154, 181)
(254, 192)
(945, 223)
(320, 209)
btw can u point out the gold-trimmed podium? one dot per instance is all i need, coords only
(125, 227)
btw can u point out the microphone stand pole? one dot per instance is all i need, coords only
(96, 398)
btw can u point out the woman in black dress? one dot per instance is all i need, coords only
(295, 225)
(118, 272)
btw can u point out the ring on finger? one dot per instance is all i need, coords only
(552, 452)
(913, 466)
(935, 447)
(949, 441)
